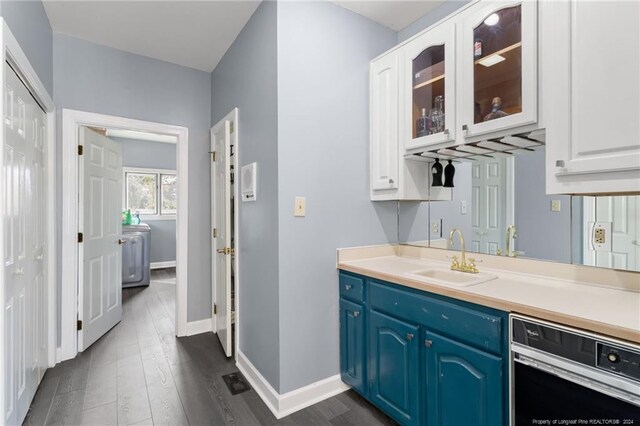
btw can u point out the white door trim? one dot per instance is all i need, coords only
(13, 53)
(71, 121)
(235, 137)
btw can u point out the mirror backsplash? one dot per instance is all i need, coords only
(501, 207)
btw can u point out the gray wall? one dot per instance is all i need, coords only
(147, 154)
(30, 26)
(154, 155)
(94, 78)
(323, 144)
(542, 234)
(442, 11)
(246, 78)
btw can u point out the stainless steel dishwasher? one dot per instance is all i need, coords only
(562, 375)
(136, 249)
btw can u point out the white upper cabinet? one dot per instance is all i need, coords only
(392, 177)
(498, 53)
(384, 123)
(428, 88)
(590, 51)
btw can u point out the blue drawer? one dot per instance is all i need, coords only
(351, 287)
(477, 328)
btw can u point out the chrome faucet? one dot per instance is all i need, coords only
(511, 234)
(462, 266)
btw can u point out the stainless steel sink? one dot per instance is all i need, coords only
(452, 278)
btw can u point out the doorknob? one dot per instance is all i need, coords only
(121, 241)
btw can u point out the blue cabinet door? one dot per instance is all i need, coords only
(352, 345)
(464, 385)
(394, 367)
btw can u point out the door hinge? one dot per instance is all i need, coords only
(80, 237)
(215, 233)
(215, 309)
(80, 150)
(213, 156)
(79, 325)
(231, 127)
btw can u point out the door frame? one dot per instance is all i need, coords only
(233, 117)
(15, 56)
(71, 279)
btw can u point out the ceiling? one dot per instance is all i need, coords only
(194, 34)
(396, 15)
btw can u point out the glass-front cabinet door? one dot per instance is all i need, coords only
(499, 67)
(428, 88)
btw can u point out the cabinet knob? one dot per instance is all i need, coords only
(428, 343)
(390, 180)
(559, 163)
(409, 337)
(348, 287)
(356, 314)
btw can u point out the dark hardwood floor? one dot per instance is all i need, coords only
(140, 373)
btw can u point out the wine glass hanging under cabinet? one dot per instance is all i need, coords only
(499, 67)
(429, 89)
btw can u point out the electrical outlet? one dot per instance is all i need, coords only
(601, 236)
(555, 205)
(463, 207)
(435, 228)
(300, 209)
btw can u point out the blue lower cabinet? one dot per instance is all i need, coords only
(463, 384)
(423, 359)
(352, 345)
(394, 367)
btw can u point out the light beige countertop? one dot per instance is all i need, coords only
(609, 303)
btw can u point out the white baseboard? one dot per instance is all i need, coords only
(161, 265)
(198, 327)
(295, 400)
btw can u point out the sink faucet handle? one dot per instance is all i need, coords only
(471, 265)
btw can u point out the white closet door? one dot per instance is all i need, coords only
(25, 295)
(101, 224)
(221, 209)
(488, 208)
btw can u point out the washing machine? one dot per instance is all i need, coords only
(136, 250)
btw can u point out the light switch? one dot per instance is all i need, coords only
(555, 205)
(300, 209)
(463, 207)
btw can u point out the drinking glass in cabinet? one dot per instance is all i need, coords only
(497, 69)
(428, 92)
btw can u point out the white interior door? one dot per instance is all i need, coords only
(623, 215)
(222, 245)
(488, 205)
(100, 287)
(25, 296)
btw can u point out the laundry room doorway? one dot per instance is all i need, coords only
(121, 207)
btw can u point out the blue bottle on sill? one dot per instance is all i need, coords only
(136, 219)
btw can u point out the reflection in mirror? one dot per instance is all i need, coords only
(607, 231)
(413, 223)
(500, 204)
